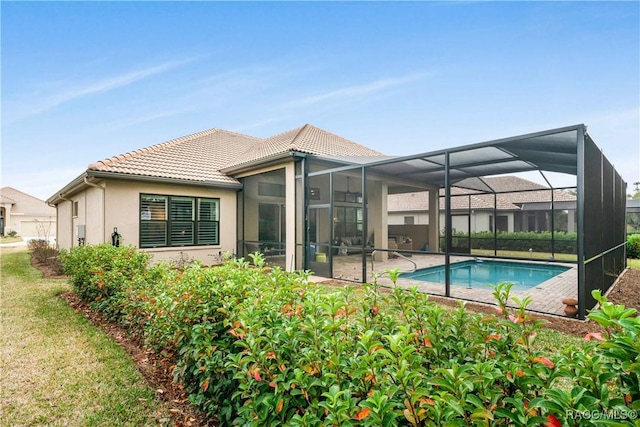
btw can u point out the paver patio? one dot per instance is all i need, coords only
(547, 296)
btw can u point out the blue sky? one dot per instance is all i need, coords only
(82, 81)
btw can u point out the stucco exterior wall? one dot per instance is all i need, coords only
(419, 218)
(93, 214)
(116, 204)
(480, 220)
(69, 223)
(64, 228)
(122, 210)
(79, 217)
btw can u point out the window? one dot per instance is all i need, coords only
(178, 221)
(271, 189)
(272, 225)
(75, 209)
(502, 223)
(348, 222)
(408, 220)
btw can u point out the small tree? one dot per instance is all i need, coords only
(43, 229)
(41, 248)
(636, 193)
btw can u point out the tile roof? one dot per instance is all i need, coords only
(196, 157)
(519, 190)
(419, 201)
(306, 139)
(200, 157)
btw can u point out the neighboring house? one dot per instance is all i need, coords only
(520, 205)
(28, 216)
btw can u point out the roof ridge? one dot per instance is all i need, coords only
(345, 139)
(293, 144)
(297, 130)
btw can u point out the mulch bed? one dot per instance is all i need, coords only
(157, 370)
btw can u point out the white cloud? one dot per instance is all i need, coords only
(37, 104)
(356, 91)
(112, 126)
(262, 123)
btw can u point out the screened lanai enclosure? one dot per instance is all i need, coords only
(471, 223)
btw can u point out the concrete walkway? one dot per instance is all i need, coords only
(13, 244)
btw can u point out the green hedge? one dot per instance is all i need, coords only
(565, 243)
(103, 275)
(255, 346)
(633, 246)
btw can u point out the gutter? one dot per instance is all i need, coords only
(147, 178)
(70, 188)
(81, 180)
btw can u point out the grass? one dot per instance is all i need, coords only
(633, 263)
(57, 368)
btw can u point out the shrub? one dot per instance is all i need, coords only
(41, 250)
(12, 233)
(46, 254)
(257, 346)
(633, 246)
(101, 274)
(520, 241)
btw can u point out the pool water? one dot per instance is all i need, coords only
(478, 274)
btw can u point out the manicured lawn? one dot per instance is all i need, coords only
(57, 369)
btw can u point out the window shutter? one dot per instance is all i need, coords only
(182, 221)
(153, 226)
(208, 225)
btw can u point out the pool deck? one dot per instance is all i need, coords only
(547, 297)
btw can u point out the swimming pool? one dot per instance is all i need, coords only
(477, 274)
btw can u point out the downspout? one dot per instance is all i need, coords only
(104, 217)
